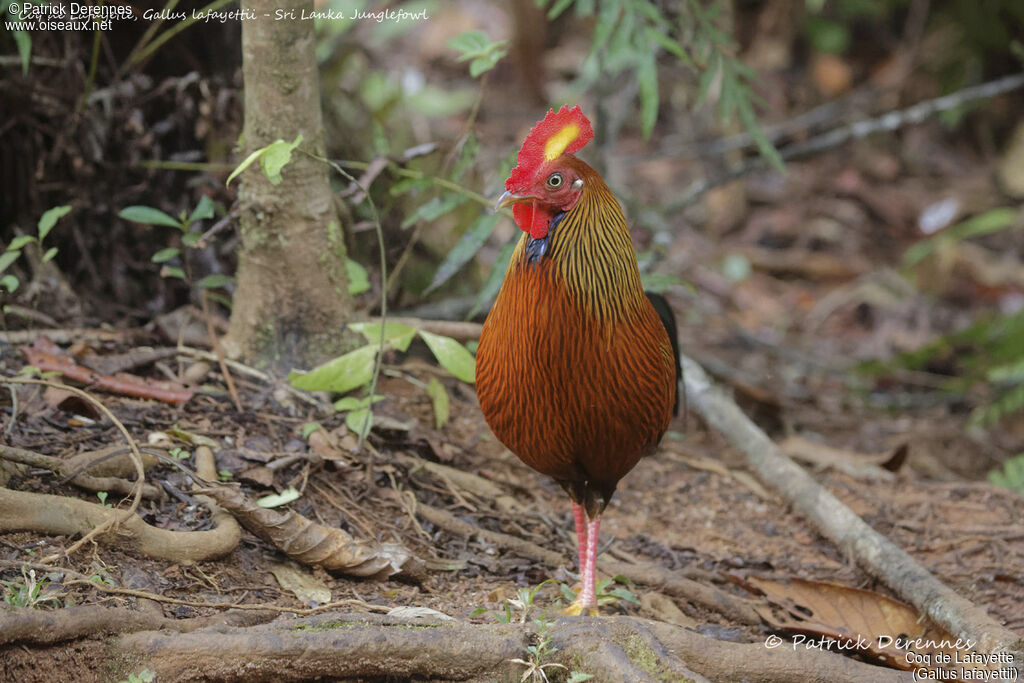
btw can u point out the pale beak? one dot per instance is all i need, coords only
(508, 199)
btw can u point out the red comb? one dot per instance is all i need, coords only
(566, 132)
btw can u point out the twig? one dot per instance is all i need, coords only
(113, 590)
(218, 351)
(873, 551)
(243, 369)
(855, 131)
(69, 335)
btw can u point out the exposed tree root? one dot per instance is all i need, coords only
(65, 468)
(873, 551)
(47, 514)
(360, 646)
(43, 627)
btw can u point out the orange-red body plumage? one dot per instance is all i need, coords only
(575, 370)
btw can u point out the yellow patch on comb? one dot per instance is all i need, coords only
(557, 143)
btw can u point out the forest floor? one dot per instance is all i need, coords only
(819, 291)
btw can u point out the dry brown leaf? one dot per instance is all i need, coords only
(862, 622)
(306, 587)
(309, 542)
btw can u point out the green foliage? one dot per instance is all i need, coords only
(1011, 475)
(274, 500)
(439, 399)
(46, 223)
(988, 355)
(273, 158)
(29, 592)
(22, 38)
(608, 591)
(144, 676)
(631, 34)
(985, 223)
(102, 495)
(358, 279)
(169, 257)
(476, 46)
(355, 369)
(539, 653)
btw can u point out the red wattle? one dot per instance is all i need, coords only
(533, 218)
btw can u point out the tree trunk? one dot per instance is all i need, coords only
(292, 298)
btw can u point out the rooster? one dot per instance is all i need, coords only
(577, 371)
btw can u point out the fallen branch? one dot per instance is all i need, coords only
(873, 551)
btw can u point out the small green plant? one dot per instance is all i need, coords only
(30, 592)
(144, 676)
(172, 259)
(355, 369)
(179, 454)
(10, 255)
(1010, 475)
(225, 475)
(480, 49)
(102, 495)
(539, 653)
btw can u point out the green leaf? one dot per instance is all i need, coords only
(50, 253)
(9, 282)
(253, 156)
(276, 156)
(434, 209)
(190, 239)
(399, 336)
(557, 9)
(23, 41)
(20, 241)
(354, 403)
(464, 250)
(360, 421)
(358, 280)
(50, 218)
(278, 499)
(7, 258)
(647, 76)
(490, 288)
(672, 46)
(203, 210)
(173, 271)
(453, 356)
(214, 281)
(148, 216)
(165, 255)
(309, 428)
(478, 47)
(341, 375)
(990, 221)
(439, 398)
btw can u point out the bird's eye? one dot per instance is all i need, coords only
(555, 180)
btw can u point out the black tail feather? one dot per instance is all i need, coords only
(668, 319)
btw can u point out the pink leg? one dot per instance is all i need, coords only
(580, 516)
(587, 598)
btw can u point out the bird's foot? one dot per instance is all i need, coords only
(578, 608)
